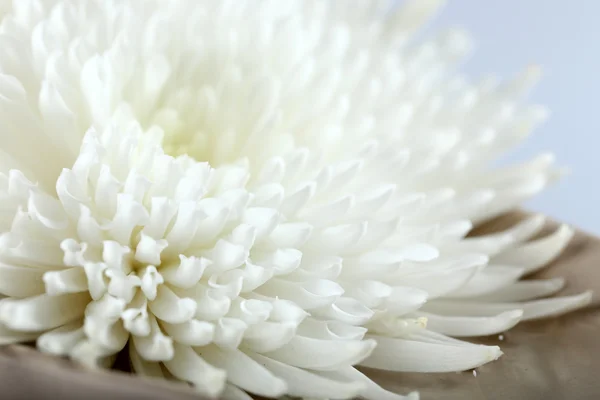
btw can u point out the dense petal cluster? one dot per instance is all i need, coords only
(257, 196)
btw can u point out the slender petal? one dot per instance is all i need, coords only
(473, 326)
(42, 312)
(532, 309)
(415, 356)
(534, 255)
(525, 290)
(302, 383)
(188, 366)
(244, 372)
(318, 354)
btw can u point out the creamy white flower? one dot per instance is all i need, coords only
(256, 196)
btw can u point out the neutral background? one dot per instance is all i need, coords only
(563, 37)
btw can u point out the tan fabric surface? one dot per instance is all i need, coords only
(28, 374)
(554, 359)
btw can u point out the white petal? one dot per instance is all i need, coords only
(226, 256)
(18, 281)
(228, 283)
(88, 227)
(302, 383)
(183, 229)
(151, 279)
(269, 195)
(555, 306)
(229, 332)
(108, 308)
(62, 340)
(346, 310)
(330, 330)
(268, 336)
(525, 290)
(188, 366)
(143, 367)
(170, 308)
(290, 234)
(244, 235)
(47, 211)
(96, 277)
(534, 255)
(389, 325)
(148, 250)
(318, 354)
(402, 355)
(337, 238)
(244, 372)
(308, 295)
(191, 333)
(210, 305)
(403, 300)
(264, 219)
(72, 280)
(372, 390)
(331, 213)
(92, 355)
(287, 311)
(532, 309)
(209, 227)
(282, 261)
(472, 326)
(156, 346)
(254, 276)
(129, 215)
(136, 321)
(162, 211)
(317, 267)
(370, 293)
(373, 200)
(42, 312)
(438, 282)
(109, 334)
(250, 311)
(292, 203)
(488, 280)
(186, 273)
(377, 232)
(527, 229)
(418, 252)
(122, 286)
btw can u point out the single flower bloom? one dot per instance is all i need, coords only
(258, 196)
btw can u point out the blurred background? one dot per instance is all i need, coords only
(564, 38)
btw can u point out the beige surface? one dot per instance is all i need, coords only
(554, 359)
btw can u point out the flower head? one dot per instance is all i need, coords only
(256, 196)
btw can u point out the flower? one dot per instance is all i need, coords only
(256, 196)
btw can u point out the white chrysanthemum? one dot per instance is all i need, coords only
(255, 196)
